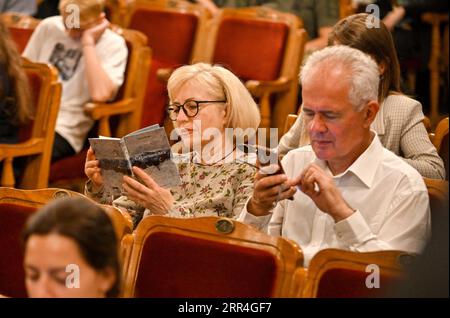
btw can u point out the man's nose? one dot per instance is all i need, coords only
(317, 124)
(42, 288)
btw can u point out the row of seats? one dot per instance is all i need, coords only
(210, 256)
(262, 46)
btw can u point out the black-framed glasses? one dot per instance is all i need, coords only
(190, 107)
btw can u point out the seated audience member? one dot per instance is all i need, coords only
(14, 94)
(71, 250)
(91, 61)
(203, 99)
(28, 7)
(398, 123)
(318, 16)
(354, 194)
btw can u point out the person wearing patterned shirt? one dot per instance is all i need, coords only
(217, 179)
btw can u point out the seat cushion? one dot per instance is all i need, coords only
(12, 275)
(173, 265)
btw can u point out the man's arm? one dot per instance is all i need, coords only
(101, 87)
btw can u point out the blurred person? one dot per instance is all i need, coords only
(71, 233)
(90, 59)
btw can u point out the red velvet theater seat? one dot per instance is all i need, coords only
(208, 257)
(334, 273)
(20, 26)
(15, 208)
(116, 118)
(264, 47)
(172, 29)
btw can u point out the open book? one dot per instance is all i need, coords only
(147, 148)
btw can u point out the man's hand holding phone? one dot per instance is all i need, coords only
(268, 190)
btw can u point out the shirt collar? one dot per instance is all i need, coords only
(365, 166)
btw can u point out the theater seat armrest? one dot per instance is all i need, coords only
(258, 88)
(29, 147)
(99, 110)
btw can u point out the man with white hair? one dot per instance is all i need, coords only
(354, 194)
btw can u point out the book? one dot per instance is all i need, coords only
(147, 148)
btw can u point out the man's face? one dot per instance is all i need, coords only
(337, 132)
(85, 23)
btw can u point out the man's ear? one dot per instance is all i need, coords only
(371, 111)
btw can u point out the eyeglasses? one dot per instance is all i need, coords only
(190, 107)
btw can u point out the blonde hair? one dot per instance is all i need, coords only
(11, 61)
(88, 8)
(242, 111)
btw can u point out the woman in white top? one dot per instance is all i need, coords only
(399, 121)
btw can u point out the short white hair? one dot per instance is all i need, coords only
(363, 74)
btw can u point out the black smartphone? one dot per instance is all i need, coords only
(266, 157)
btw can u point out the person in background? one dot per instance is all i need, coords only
(71, 236)
(215, 177)
(27, 7)
(15, 100)
(354, 193)
(399, 123)
(318, 16)
(91, 61)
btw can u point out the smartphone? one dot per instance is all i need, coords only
(266, 157)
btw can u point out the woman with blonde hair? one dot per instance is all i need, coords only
(399, 122)
(212, 112)
(15, 108)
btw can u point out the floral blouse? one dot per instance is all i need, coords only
(205, 190)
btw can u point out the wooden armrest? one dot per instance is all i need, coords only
(163, 74)
(259, 88)
(99, 110)
(29, 147)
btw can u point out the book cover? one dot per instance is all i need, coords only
(147, 148)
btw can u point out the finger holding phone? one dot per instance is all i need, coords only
(320, 187)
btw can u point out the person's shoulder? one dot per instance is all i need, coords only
(55, 22)
(398, 168)
(112, 38)
(400, 103)
(300, 156)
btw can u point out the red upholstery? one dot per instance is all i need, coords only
(170, 34)
(171, 37)
(343, 283)
(176, 266)
(20, 37)
(153, 111)
(12, 276)
(251, 49)
(68, 168)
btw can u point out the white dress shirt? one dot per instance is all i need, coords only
(389, 196)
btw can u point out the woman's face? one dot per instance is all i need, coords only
(54, 268)
(211, 117)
